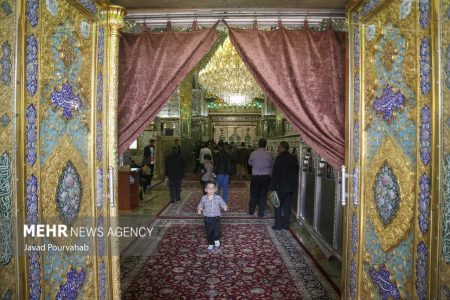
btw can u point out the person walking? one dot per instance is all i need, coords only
(174, 171)
(284, 179)
(222, 169)
(210, 205)
(261, 162)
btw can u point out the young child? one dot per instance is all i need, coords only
(210, 205)
(207, 171)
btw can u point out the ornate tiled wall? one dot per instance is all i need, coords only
(352, 208)
(444, 214)
(8, 254)
(390, 67)
(65, 76)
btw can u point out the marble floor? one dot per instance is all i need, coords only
(156, 199)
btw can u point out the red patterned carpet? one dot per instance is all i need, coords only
(254, 262)
(188, 185)
(237, 205)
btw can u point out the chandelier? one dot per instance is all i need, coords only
(226, 76)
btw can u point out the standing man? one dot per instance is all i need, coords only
(284, 179)
(174, 171)
(149, 160)
(222, 169)
(261, 162)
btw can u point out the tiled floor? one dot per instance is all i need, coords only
(155, 200)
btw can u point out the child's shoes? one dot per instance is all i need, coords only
(217, 244)
(210, 248)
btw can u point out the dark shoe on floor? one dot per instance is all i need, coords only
(260, 215)
(276, 228)
(250, 214)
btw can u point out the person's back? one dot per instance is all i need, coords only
(174, 171)
(203, 151)
(261, 162)
(174, 166)
(285, 173)
(222, 163)
(243, 156)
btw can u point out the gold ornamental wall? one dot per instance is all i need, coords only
(9, 258)
(389, 224)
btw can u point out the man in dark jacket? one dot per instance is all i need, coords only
(222, 170)
(174, 170)
(284, 180)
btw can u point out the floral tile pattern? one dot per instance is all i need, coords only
(356, 94)
(89, 5)
(425, 134)
(33, 255)
(421, 271)
(353, 279)
(389, 61)
(425, 66)
(99, 140)
(100, 46)
(5, 62)
(447, 67)
(53, 128)
(5, 120)
(356, 47)
(381, 280)
(424, 18)
(52, 7)
(74, 281)
(99, 188)
(32, 200)
(356, 141)
(371, 31)
(389, 102)
(102, 280)
(405, 9)
(33, 12)
(69, 193)
(31, 135)
(66, 55)
(99, 92)
(6, 246)
(446, 212)
(355, 187)
(66, 99)
(369, 6)
(32, 65)
(85, 29)
(6, 8)
(424, 202)
(34, 274)
(354, 234)
(100, 239)
(387, 193)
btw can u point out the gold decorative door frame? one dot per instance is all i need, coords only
(390, 116)
(61, 112)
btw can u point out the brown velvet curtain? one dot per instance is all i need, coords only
(303, 74)
(151, 66)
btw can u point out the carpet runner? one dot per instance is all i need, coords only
(237, 205)
(186, 184)
(254, 262)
